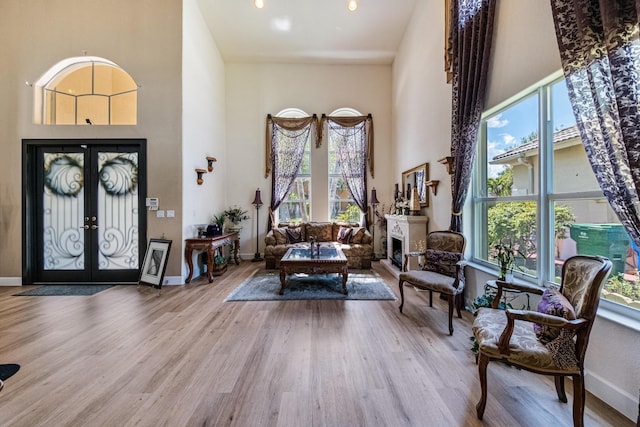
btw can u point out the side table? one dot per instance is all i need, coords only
(211, 245)
(515, 293)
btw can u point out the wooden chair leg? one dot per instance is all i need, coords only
(483, 361)
(458, 300)
(578, 401)
(451, 303)
(559, 379)
(401, 285)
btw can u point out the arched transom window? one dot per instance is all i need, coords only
(86, 90)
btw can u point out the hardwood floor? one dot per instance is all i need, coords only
(126, 357)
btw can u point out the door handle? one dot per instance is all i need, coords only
(86, 227)
(93, 227)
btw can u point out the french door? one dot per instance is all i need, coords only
(85, 211)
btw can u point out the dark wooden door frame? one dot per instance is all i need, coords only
(29, 208)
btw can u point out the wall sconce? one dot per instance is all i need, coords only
(433, 184)
(210, 161)
(200, 172)
(448, 163)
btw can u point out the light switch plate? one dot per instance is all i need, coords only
(171, 214)
(160, 214)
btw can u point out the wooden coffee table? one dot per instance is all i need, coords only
(299, 260)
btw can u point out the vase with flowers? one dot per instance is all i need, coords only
(505, 255)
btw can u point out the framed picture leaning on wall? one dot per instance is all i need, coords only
(155, 263)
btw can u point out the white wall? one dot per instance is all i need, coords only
(524, 52)
(422, 107)
(255, 90)
(203, 124)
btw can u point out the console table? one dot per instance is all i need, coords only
(211, 245)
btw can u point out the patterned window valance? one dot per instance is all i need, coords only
(352, 122)
(288, 124)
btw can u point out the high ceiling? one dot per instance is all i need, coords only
(312, 31)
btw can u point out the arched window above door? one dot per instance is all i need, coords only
(86, 90)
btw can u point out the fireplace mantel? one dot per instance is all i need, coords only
(407, 231)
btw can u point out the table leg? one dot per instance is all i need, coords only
(188, 254)
(345, 276)
(283, 281)
(211, 254)
(236, 248)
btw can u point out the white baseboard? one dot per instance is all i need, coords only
(10, 281)
(618, 399)
(173, 280)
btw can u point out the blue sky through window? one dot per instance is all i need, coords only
(509, 128)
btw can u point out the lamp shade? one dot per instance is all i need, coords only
(257, 201)
(374, 197)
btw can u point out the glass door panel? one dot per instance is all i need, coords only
(63, 199)
(117, 212)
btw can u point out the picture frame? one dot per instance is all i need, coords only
(417, 177)
(155, 263)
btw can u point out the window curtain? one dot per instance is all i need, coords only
(471, 37)
(286, 139)
(354, 150)
(600, 53)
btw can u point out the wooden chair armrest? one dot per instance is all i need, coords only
(534, 317)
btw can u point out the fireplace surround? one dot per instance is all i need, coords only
(403, 234)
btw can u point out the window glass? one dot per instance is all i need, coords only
(86, 90)
(512, 149)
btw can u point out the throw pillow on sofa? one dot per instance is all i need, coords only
(344, 235)
(281, 235)
(294, 235)
(357, 233)
(320, 230)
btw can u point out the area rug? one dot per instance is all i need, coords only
(263, 285)
(64, 290)
(8, 370)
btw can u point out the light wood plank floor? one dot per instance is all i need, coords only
(126, 357)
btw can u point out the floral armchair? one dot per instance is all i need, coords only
(442, 270)
(552, 340)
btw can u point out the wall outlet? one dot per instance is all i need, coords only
(160, 214)
(171, 214)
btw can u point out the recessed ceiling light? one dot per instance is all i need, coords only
(281, 24)
(352, 5)
(259, 3)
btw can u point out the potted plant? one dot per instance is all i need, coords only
(236, 215)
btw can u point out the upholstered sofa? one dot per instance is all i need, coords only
(355, 241)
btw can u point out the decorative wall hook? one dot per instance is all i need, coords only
(200, 172)
(433, 184)
(448, 163)
(210, 161)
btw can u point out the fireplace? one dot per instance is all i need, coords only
(396, 252)
(403, 234)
